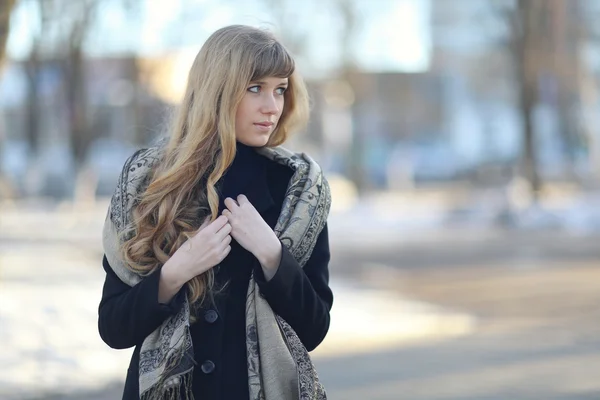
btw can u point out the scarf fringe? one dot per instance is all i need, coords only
(165, 391)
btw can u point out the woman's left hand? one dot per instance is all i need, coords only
(251, 231)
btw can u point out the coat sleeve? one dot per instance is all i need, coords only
(302, 296)
(126, 314)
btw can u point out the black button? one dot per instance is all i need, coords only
(211, 316)
(207, 367)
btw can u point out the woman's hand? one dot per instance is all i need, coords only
(207, 248)
(251, 231)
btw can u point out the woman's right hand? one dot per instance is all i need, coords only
(207, 248)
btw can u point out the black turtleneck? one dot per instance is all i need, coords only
(248, 167)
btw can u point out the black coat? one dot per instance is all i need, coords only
(301, 296)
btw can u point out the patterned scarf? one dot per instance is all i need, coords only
(279, 367)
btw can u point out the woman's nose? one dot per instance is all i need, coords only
(269, 105)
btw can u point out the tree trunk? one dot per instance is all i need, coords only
(79, 135)
(33, 110)
(527, 75)
(564, 53)
(356, 152)
(140, 134)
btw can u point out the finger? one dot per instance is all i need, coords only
(227, 214)
(227, 240)
(205, 223)
(242, 199)
(202, 227)
(224, 232)
(225, 252)
(231, 204)
(217, 224)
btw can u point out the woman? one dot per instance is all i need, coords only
(216, 244)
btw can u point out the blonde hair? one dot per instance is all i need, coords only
(202, 144)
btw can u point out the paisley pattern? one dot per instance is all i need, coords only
(310, 386)
(166, 357)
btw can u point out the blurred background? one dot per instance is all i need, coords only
(461, 139)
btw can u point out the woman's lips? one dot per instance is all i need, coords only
(264, 126)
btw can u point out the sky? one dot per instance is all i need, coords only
(392, 35)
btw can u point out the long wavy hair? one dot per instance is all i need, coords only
(202, 145)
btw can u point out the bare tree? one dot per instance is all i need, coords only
(33, 66)
(544, 41)
(59, 41)
(346, 10)
(524, 22)
(527, 43)
(75, 80)
(64, 28)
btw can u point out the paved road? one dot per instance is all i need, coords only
(535, 296)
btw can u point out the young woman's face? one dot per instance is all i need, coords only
(258, 113)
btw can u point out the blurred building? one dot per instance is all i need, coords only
(121, 114)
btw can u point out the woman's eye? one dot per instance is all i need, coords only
(254, 89)
(281, 90)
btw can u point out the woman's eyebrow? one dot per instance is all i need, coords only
(264, 83)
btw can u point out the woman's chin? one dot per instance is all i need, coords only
(256, 140)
